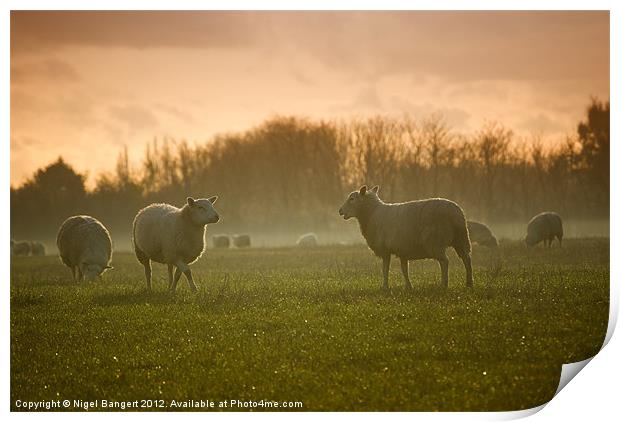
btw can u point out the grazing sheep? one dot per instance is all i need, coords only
(221, 241)
(85, 246)
(173, 236)
(242, 240)
(481, 234)
(21, 248)
(308, 240)
(410, 230)
(37, 248)
(544, 227)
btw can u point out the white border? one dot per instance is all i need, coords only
(592, 394)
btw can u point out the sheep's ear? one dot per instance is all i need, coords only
(363, 190)
(213, 199)
(190, 201)
(375, 189)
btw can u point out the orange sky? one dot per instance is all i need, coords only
(84, 84)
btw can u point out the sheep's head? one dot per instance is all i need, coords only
(92, 271)
(530, 240)
(201, 211)
(356, 200)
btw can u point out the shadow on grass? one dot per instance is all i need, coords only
(141, 297)
(25, 300)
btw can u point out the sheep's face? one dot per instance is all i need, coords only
(355, 201)
(92, 271)
(201, 211)
(530, 240)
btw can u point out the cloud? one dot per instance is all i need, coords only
(53, 70)
(456, 45)
(182, 115)
(133, 116)
(39, 30)
(541, 123)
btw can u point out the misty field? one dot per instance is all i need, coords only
(313, 326)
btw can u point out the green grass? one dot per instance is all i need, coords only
(312, 326)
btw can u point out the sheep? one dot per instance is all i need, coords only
(37, 248)
(173, 236)
(544, 227)
(21, 248)
(242, 240)
(85, 246)
(221, 241)
(308, 240)
(481, 234)
(410, 230)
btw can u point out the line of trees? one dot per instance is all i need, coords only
(291, 173)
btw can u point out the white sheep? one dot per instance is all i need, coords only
(85, 246)
(21, 248)
(411, 230)
(481, 234)
(242, 241)
(544, 227)
(221, 241)
(173, 236)
(308, 240)
(37, 248)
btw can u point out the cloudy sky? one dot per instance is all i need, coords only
(85, 84)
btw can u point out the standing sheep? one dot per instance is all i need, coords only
(544, 227)
(173, 236)
(308, 240)
(410, 230)
(481, 234)
(37, 248)
(21, 248)
(221, 241)
(85, 246)
(241, 241)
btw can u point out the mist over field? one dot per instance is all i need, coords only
(289, 176)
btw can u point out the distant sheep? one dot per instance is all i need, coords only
(308, 240)
(221, 241)
(37, 248)
(173, 236)
(544, 227)
(20, 248)
(481, 234)
(85, 246)
(242, 241)
(411, 230)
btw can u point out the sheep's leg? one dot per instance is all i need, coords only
(404, 267)
(190, 280)
(560, 240)
(466, 258)
(74, 273)
(147, 273)
(386, 271)
(177, 276)
(80, 276)
(170, 270)
(443, 263)
(182, 266)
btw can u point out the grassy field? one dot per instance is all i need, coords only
(312, 326)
